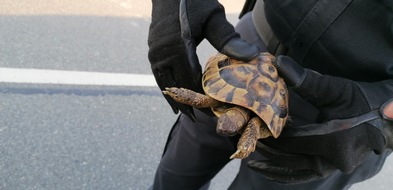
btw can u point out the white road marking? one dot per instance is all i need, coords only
(43, 76)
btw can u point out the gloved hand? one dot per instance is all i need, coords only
(356, 121)
(177, 27)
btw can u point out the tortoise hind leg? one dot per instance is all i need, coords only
(256, 129)
(189, 97)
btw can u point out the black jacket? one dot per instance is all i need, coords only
(357, 43)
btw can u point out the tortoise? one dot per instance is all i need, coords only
(247, 97)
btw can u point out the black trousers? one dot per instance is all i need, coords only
(194, 153)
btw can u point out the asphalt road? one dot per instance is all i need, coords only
(57, 136)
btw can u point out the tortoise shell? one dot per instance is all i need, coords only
(254, 85)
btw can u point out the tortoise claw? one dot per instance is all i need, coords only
(240, 154)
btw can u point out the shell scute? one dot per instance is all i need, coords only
(254, 85)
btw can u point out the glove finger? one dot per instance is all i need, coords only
(288, 69)
(240, 49)
(221, 34)
(280, 174)
(216, 29)
(306, 80)
(328, 93)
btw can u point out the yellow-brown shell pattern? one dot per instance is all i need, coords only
(254, 85)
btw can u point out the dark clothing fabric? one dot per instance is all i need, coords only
(358, 45)
(194, 154)
(354, 47)
(247, 179)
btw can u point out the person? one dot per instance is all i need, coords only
(337, 60)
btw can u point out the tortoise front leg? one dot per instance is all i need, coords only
(255, 130)
(189, 97)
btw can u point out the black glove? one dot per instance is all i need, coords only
(176, 29)
(356, 121)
